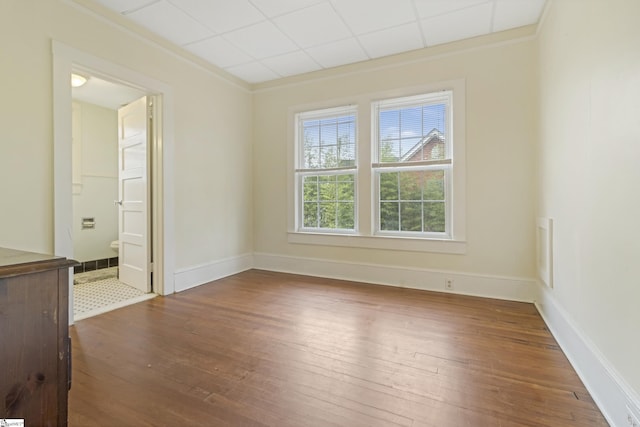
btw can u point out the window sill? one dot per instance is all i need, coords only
(377, 242)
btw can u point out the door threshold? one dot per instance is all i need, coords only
(114, 306)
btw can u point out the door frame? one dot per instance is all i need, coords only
(65, 60)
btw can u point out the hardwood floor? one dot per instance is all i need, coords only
(271, 349)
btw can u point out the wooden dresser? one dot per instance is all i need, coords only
(34, 337)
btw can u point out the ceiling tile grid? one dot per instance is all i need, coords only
(261, 40)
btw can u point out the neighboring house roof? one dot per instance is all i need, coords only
(434, 136)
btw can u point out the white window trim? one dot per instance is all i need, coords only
(364, 237)
(396, 243)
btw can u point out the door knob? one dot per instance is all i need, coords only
(117, 202)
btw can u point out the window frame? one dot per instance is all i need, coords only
(446, 165)
(300, 172)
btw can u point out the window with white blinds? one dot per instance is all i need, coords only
(412, 167)
(385, 172)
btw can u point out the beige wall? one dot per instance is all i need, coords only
(500, 141)
(212, 131)
(588, 168)
(96, 133)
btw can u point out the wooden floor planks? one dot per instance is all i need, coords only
(271, 349)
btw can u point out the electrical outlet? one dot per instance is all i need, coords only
(448, 284)
(632, 419)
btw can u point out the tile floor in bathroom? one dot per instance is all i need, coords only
(99, 291)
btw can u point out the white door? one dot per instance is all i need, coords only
(134, 255)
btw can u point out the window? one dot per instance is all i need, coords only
(414, 176)
(326, 170)
(412, 165)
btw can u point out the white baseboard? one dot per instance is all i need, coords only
(508, 288)
(191, 277)
(610, 392)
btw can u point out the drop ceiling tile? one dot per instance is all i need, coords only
(253, 72)
(238, 35)
(430, 8)
(393, 40)
(313, 26)
(219, 52)
(292, 63)
(466, 23)
(364, 16)
(272, 8)
(338, 53)
(516, 13)
(221, 15)
(261, 40)
(122, 6)
(170, 22)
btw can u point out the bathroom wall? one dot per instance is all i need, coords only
(95, 180)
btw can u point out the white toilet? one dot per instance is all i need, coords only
(115, 245)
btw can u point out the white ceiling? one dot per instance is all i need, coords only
(261, 40)
(105, 93)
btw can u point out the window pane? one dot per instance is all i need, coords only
(346, 191)
(434, 117)
(329, 134)
(411, 216)
(310, 193)
(327, 215)
(434, 186)
(347, 132)
(346, 155)
(389, 216)
(311, 135)
(434, 217)
(310, 215)
(411, 150)
(327, 188)
(389, 126)
(413, 133)
(346, 144)
(311, 145)
(328, 156)
(389, 186)
(411, 122)
(346, 215)
(435, 151)
(389, 150)
(411, 185)
(329, 201)
(412, 201)
(329, 142)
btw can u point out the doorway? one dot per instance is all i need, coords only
(104, 141)
(65, 60)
